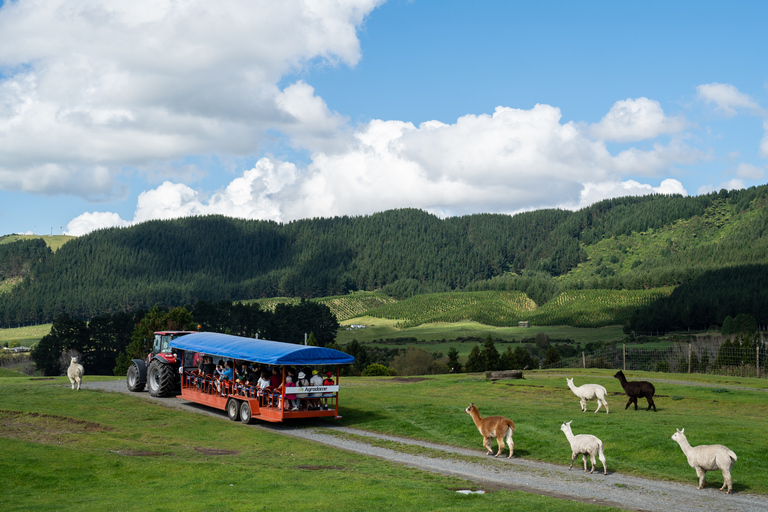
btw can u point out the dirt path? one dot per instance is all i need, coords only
(614, 489)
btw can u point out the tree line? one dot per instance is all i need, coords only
(106, 344)
(402, 252)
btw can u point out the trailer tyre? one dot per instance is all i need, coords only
(132, 379)
(245, 412)
(161, 379)
(233, 409)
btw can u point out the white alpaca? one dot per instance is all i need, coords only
(75, 373)
(584, 444)
(707, 457)
(589, 392)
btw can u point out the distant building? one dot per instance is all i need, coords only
(524, 323)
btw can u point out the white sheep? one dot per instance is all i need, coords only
(584, 444)
(75, 373)
(707, 457)
(589, 392)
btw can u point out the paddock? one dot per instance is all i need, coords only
(245, 402)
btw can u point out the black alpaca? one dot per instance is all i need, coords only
(637, 389)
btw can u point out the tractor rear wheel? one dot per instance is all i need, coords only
(132, 379)
(233, 409)
(161, 379)
(245, 412)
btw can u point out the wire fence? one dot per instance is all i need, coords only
(697, 357)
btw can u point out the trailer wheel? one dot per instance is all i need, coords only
(245, 412)
(161, 379)
(233, 409)
(132, 379)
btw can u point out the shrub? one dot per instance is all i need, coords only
(376, 370)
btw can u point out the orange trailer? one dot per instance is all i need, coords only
(245, 402)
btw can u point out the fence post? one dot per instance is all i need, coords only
(583, 361)
(689, 358)
(624, 356)
(757, 361)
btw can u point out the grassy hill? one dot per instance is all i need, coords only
(53, 241)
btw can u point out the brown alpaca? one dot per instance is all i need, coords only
(637, 389)
(492, 427)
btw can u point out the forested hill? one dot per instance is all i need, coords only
(629, 242)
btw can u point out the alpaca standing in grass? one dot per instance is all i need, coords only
(707, 457)
(589, 392)
(637, 389)
(75, 373)
(584, 444)
(492, 427)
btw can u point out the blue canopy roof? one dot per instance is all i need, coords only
(259, 351)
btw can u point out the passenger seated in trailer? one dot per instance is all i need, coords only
(263, 382)
(303, 382)
(293, 403)
(225, 375)
(274, 378)
(206, 369)
(316, 380)
(328, 381)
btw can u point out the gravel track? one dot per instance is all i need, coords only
(614, 489)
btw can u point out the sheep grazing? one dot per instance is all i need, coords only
(584, 444)
(707, 457)
(637, 389)
(589, 392)
(75, 373)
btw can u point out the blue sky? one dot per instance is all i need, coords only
(113, 113)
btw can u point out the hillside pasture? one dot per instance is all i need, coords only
(344, 307)
(595, 308)
(53, 241)
(26, 336)
(487, 307)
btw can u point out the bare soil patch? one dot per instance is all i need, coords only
(139, 453)
(318, 468)
(214, 451)
(45, 428)
(408, 379)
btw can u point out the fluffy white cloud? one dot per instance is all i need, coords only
(594, 192)
(89, 88)
(508, 161)
(727, 98)
(636, 119)
(734, 184)
(88, 222)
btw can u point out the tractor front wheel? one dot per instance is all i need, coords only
(161, 379)
(233, 409)
(132, 379)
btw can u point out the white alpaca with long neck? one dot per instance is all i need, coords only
(589, 392)
(707, 457)
(584, 444)
(75, 373)
(497, 427)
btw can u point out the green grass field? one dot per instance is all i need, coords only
(92, 450)
(23, 336)
(636, 442)
(68, 450)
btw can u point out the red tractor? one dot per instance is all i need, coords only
(160, 372)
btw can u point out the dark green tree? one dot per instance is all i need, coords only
(475, 362)
(490, 356)
(453, 360)
(66, 334)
